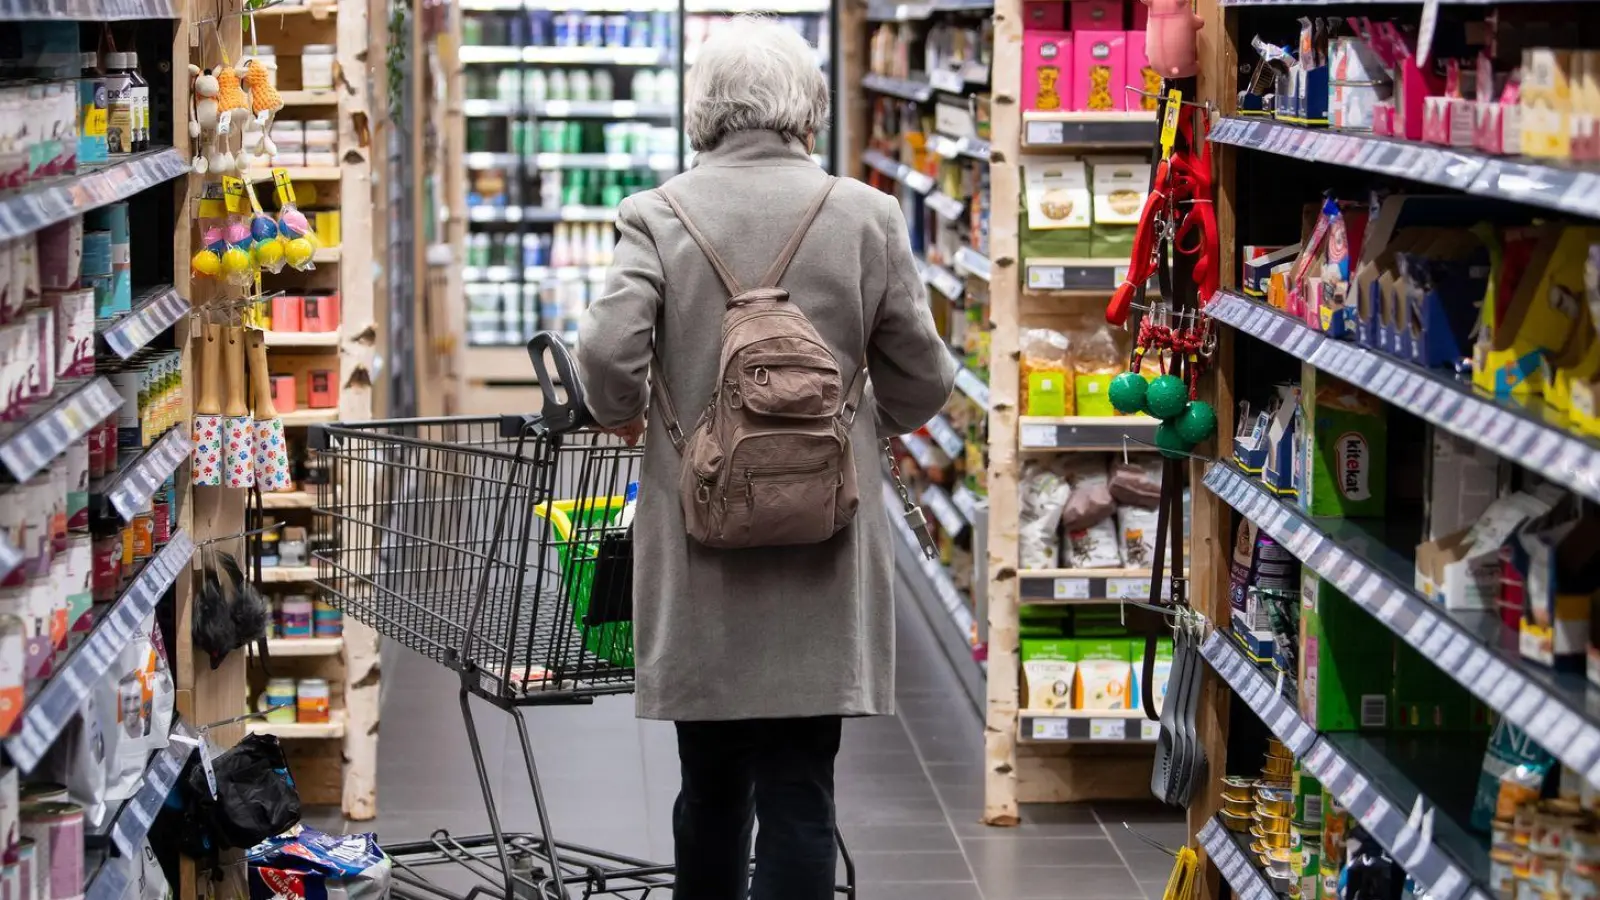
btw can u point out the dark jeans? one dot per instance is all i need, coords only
(777, 771)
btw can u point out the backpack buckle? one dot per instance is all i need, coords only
(762, 376)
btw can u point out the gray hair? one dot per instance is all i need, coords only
(754, 75)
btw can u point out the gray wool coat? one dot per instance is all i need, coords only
(769, 632)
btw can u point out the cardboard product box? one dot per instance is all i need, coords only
(1096, 15)
(1562, 582)
(1250, 444)
(1346, 669)
(1259, 264)
(1099, 71)
(1443, 290)
(1044, 15)
(1428, 699)
(1461, 480)
(1047, 66)
(1543, 325)
(1546, 101)
(1464, 570)
(1583, 381)
(1142, 77)
(1346, 458)
(1282, 439)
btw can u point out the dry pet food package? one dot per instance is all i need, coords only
(135, 700)
(1105, 676)
(1094, 547)
(77, 760)
(1044, 494)
(1137, 482)
(1137, 527)
(1046, 373)
(1091, 501)
(1047, 673)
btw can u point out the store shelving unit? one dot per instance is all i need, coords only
(531, 220)
(1033, 756)
(1406, 789)
(52, 694)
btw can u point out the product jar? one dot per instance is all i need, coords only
(279, 701)
(313, 702)
(316, 67)
(297, 617)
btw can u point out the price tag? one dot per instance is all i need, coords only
(945, 80)
(1486, 681)
(1050, 729)
(1438, 637)
(1045, 133)
(1392, 605)
(1072, 588)
(1505, 690)
(1038, 436)
(1149, 730)
(1473, 664)
(1334, 770)
(1047, 278)
(1107, 729)
(1450, 880)
(1524, 707)
(1127, 589)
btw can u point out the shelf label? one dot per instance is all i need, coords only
(1050, 729)
(1047, 278)
(1149, 730)
(1107, 729)
(1045, 133)
(1071, 588)
(945, 80)
(1038, 436)
(970, 384)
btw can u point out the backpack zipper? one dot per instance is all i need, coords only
(750, 474)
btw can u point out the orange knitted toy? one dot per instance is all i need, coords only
(264, 102)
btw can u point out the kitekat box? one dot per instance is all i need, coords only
(1344, 470)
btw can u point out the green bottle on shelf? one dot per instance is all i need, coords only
(612, 190)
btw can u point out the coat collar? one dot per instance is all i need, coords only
(755, 148)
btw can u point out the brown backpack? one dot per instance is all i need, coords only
(769, 463)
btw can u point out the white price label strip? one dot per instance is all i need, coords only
(1050, 729)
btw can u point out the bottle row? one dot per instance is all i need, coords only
(646, 87)
(573, 187)
(568, 245)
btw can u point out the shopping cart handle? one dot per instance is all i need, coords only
(564, 409)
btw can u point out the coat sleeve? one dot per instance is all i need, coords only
(616, 336)
(911, 369)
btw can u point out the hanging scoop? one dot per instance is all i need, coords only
(238, 428)
(271, 454)
(207, 435)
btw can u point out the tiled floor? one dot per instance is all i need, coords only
(910, 790)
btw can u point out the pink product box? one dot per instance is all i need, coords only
(1044, 15)
(1047, 70)
(1097, 15)
(1141, 77)
(1099, 71)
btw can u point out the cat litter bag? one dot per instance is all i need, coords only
(1094, 547)
(306, 864)
(1044, 494)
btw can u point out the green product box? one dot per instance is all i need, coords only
(1344, 451)
(1428, 699)
(1048, 648)
(1347, 662)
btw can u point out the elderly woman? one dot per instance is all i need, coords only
(757, 654)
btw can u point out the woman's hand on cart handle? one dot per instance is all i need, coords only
(630, 431)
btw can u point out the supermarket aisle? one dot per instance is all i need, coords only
(909, 787)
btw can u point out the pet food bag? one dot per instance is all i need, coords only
(1137, 529)
(1047, 673)
(134, 700)
(1044, 494)
(1105, 676)
(306, 864)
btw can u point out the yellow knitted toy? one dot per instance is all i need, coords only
(264, 102)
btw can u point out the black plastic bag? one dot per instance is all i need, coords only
(256, 797)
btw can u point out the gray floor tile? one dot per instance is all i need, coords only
(1015, 851)
(1059, 883)
(1038, 820)
(898, 838)
(1154, 889)
(925, 891)
(919, 866)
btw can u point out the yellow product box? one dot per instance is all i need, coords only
(1546, 101)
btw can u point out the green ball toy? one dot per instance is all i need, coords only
(1127, 393)
(1170, 442)
(1166, 397)
(1197, 423)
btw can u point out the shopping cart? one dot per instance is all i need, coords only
(497, 547)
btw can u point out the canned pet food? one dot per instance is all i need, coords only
(1307, 798)
(56, 830)
(1235, 787)
(42, 792)
(1502, 874)
(1238, 807)
(1273, 838)
(1235, 823)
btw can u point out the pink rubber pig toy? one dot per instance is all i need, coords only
(1169, 40)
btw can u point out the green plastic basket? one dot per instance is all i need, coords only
(611, 642)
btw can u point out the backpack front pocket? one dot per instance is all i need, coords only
(789, 385)
(779, 505)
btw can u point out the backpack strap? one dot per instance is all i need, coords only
(852, 397)
(661, 402)
(781, 264)
(723, 272)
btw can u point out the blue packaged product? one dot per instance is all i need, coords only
(638, 29)
(592, 33)
(306, 864)
(617, 31)
(661, 30)
(567, 25)
(96, 253)
(540, 27)
(1515, 766)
